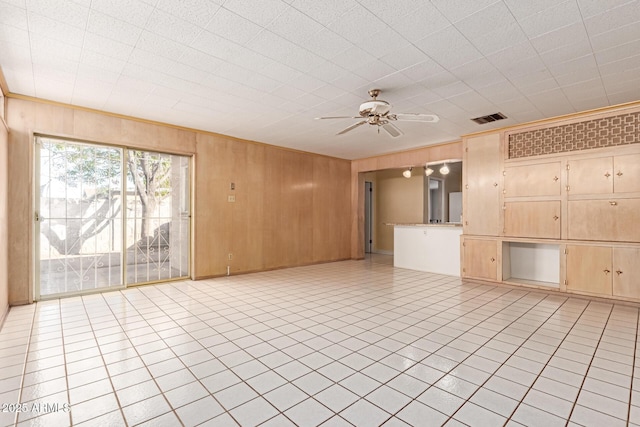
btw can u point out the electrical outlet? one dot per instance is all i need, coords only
(231, 199)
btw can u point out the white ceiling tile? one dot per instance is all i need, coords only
(215, 45)
(172, 27)
(326, 11)
(474, 103)
(134, 12)
(561, 37)
(11, 15)
(391, 12)
(575, 66)
(294, 26)
(352, 58)
(500, 92)
(356, 25)
(550, 19)
(522, 68)
(512, 54)
(57, 30)
(536, 83)
(107, 47)
(589, 104)
(198, 12)
(68, 12)
(386, 40)
(449, 48)
(455, 10)
(112, 28)
(151, 60)
(374, 70)
(590, 8)
(626, 14)
(423, 21)
(271, 45)
(445, 109)
(327, 71)
(628, 95)
(584, 90)
(521, 9)
(618, 52)
(43, 46)
(349, 80)
(452, 89)
(53, 89)
(326, 44)
(404, 57)
(500, 38)
(424, 97)
(262, 12)
(478, 81)
(392, 81)
(423, 70)
(631, 64)
(233, 27)
(617, 35)
(473, 68)
(567, 52)
(306, 83)
(438, 80)
(160, 45)
(92, 70)
(476, 24)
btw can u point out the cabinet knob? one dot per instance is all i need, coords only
(607, 174)
(606, 271)
(555, 178)
(493, 259)
(619, 173)
(618, 272)
(613, 203)
(495, 184)
(555, 217)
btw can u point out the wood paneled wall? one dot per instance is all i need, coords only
(417, 157)
(291, 208)
(4, 220)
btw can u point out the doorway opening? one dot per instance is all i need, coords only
(368, 217)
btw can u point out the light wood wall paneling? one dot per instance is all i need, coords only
(4, 221)
(21, 118)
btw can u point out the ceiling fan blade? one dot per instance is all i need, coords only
(337, 117)
(352, 127)
(415, 117)
(392, 130)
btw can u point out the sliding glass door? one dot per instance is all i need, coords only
(107, 217)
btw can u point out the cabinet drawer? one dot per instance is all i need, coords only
(532, 180)
(608, 220)
(532, 219)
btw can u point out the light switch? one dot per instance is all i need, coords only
(231, 199)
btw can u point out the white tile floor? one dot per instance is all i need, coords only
(349, 343)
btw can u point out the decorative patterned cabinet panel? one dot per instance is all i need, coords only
(480, 258)
(616, 220)
(626, 272)
(589, 269)
(541, 179)
(536, 219)
(481, 204)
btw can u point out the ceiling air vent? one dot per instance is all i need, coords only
(490, 118)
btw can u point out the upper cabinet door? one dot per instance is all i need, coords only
(481, 201)
(626, 171)
(591, 176)
(532, 180)
(540, 219)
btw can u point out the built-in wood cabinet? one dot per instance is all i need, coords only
(589, 269)
(481, 175)
(615, 220)
(542, 179)
(603, 270)
(480, 258)
(535, 219)
(604, 175)
(626, 172)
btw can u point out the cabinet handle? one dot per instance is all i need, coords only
(607, 174)
(555, 178)
(606, 271)
(619, 173)
(618, 272)
(555, 217)
(466, 186)
(613, 203)
(493, 259)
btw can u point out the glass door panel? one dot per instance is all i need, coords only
(79, 219)
(157, 217)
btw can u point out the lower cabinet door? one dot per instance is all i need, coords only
(626, 272)
(589, 269)
(480, 259)
(532, 219)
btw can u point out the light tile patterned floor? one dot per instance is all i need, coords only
(349, 343)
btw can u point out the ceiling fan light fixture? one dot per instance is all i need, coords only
(444, 169)
(407, 172)
(428, 171)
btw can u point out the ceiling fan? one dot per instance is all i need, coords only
(376, 112)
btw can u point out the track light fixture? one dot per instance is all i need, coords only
(407, 173)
